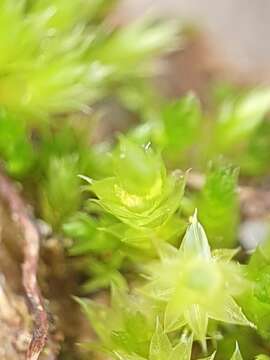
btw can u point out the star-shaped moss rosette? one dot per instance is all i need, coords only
(196, 285)
(140, 193)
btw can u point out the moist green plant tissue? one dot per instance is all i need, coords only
(142, 201)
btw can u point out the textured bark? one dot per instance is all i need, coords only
(22, 216)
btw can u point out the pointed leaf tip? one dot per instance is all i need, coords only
(237, 354)
(160, 347)
(195, 241)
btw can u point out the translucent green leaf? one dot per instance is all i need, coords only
(197, 319)
(195, 241)
(224, 254)
(160, 347)
(230, 313)
(236, 355)
(182, 350)
(137, 169)
(174, 315)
